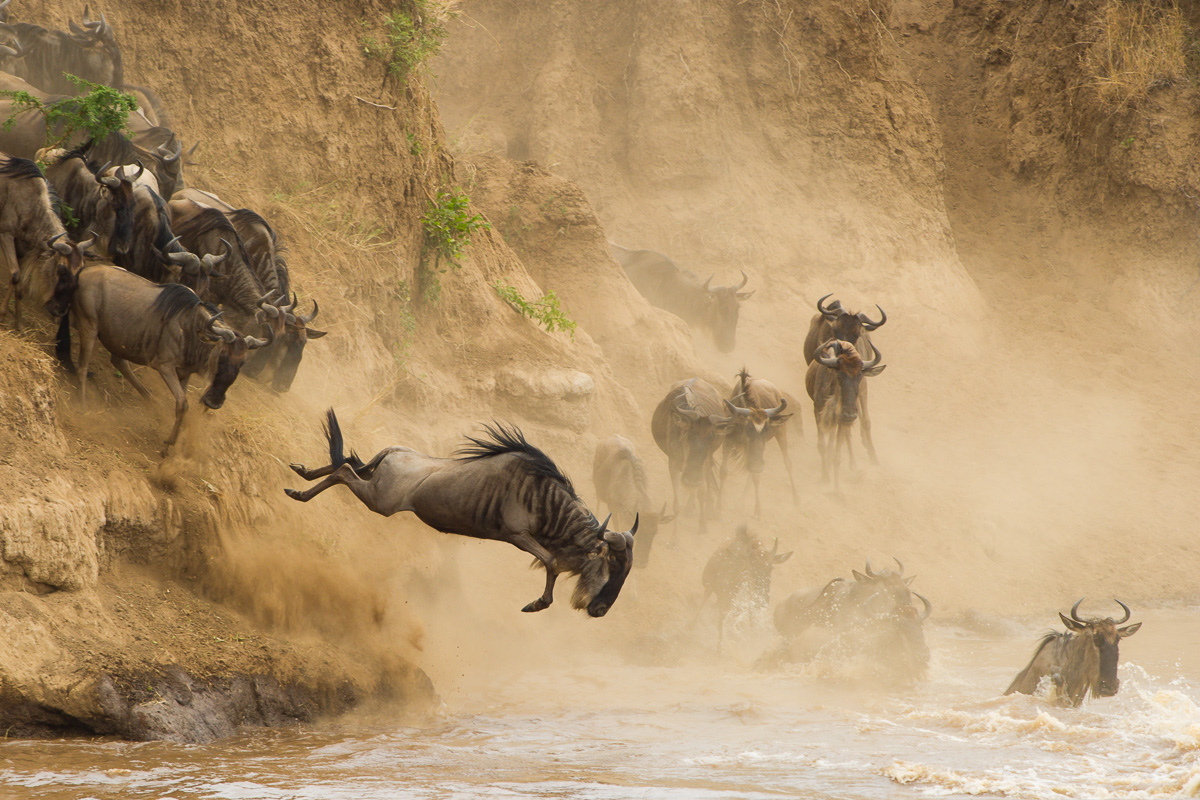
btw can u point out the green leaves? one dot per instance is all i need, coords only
(409, 38)
(545, 311)
(98, 112)
(449, 224)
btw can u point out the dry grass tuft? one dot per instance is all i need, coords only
(1140, 45)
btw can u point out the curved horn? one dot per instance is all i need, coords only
(775, 548)
(141, 169)
(707, 282)
(774, 412)
(828, 361)
(60, 247)
(8, 51)
(270, 310)
(307, 318)
(1128, 613)
(107, 180)
(928, 606)
(253, 343)
(212, 260)
(167, 156)
(832, 309)
(898, 564)
(874, 361)
(636, 519)
(868, 324)
(870, 573)
(86, 244)
(1075, 611)
(734, 410)
(604, 525)
(288, 308)
(745, 280)
(616, 540)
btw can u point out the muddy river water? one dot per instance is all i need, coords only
(707, 729)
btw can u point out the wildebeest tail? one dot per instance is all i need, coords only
(337, 445)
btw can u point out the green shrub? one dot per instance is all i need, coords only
(98, 112)
(546, 311)
(409, 37)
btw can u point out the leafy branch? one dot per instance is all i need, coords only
(545, 311)
(100, 111)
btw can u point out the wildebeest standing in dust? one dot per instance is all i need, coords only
(760, 413)
(834, 382)
(501, 488)
(621, 484)
(1080, 660)
(667, 285)
(688, 425)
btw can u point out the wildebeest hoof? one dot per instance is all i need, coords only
(294, 494)
(536, 605)
(298, 469)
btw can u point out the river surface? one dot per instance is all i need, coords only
(697, 731)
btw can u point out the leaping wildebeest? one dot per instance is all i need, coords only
(621, 484)
(667, 285)
(166, 328)
(739, 572)
(760, 412)
(1078, 661)
(834, 382)
(500, 488)
(834, 322)
(688, 426)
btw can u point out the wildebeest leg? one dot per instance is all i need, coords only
(781, 437)
(865, 421)
(343, 474)
(8, 252)
(179, 392)
(87, 345)
(312, 474)
(527, 543)
(123, 365)
(676, 476)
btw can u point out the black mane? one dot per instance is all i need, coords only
(510, 439)
(174, 299)
(21, 168)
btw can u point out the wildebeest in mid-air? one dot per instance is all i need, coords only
(667, 285)
(687, 426)
(739, 573)
(1078, 661)
(874, 616)
(501, 488)
(834, 382)
(834, 322)
(760, 415)
(621, 484)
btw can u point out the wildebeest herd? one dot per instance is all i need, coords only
(105, 235)
(108, 239)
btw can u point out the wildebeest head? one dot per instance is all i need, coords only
(120, 192)
(294, 334)
(98, 57)
(701, 433)
(608, 563)
(723, 303)
(846, 326)
(1106, 637)
(844, 359)
(68, 263)
(743, 567)
(754, 426)
(187, 268)
(232, 348)
(887, 593)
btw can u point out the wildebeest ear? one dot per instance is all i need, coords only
(782, 557)
(1128, 630)
(745, 295)
(858, 576)
(313, 333)
(1072, 624)
(780, 419)
(875, 370)
(908, 581)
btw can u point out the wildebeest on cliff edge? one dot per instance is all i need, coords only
(1080, 660)
(500, 488)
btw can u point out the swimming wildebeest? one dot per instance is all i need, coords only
(1080, 660)
(760, 412)
(501, 488)
(688, 426)
(621, 484)
(834, 382)
(834, 322)
(667, 285)
(739, 572)
(873, 616)
(166, 328)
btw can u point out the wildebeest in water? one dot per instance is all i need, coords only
(739, 572)
(500, 488)
(1078, 661)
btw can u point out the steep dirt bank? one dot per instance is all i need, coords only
(180, 598)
